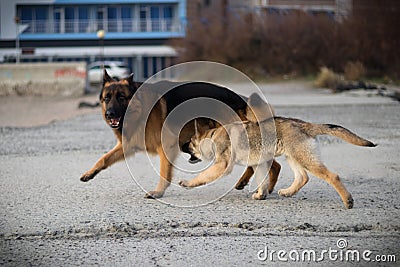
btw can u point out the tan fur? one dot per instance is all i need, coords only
(107, 84)
(258, 110)
(152, 144)
(116, 154)
(294, 138)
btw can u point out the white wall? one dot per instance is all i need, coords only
(64, 78)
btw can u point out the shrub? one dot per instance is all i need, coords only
(327, 79)
(354, 71)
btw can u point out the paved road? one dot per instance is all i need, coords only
(48, 217)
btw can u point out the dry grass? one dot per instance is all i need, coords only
(354, 71)
(327, 79)
(299, 42)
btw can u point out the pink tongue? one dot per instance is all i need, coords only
(114, 121)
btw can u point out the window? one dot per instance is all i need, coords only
(41, 18)
(121, 65)
(26, 13)
(91, 18)
(143, 18)
(100, 18)
(36, 17)
(168, 16)
(168, 12)
(69, 19)
(41, 13)
(26, 17)
(155, 18)
(83, 15)
(95, 67)
(126, 18)
(112, 19)
(57, 20)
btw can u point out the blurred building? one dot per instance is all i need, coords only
(337, 9)
(133, 31)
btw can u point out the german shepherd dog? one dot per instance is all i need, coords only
(115, 97)
(294, 138)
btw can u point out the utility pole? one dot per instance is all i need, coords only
(17, 52)
(100, 35)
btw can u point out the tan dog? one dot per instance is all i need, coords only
(294, 138)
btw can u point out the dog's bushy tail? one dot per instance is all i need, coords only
(340, 132)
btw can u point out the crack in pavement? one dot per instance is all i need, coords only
(196, 229)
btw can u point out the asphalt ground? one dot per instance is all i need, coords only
(50, 218)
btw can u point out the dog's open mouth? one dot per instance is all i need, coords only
(193, 159)
(115, 122)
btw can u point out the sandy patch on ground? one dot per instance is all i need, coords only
(30, 111)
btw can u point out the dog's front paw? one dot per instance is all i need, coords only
(349, 203)
(184, 183)
(258, 196)
(154, 194)
(86, 177)
(270, 189)
(240, 185)
(285, 193)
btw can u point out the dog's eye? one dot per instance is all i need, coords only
(107, 99)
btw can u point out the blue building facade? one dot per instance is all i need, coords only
(133, 31)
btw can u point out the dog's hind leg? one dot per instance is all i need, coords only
(273, 177)
(300, 178)
(244, 180)
(321, 171)
(104, 162)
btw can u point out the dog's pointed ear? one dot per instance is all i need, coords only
(106, 77)
(255, 100)
(133, 85)
(129, 79)
(257, 109)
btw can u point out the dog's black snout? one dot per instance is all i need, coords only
(185, 148)
(110, 114)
